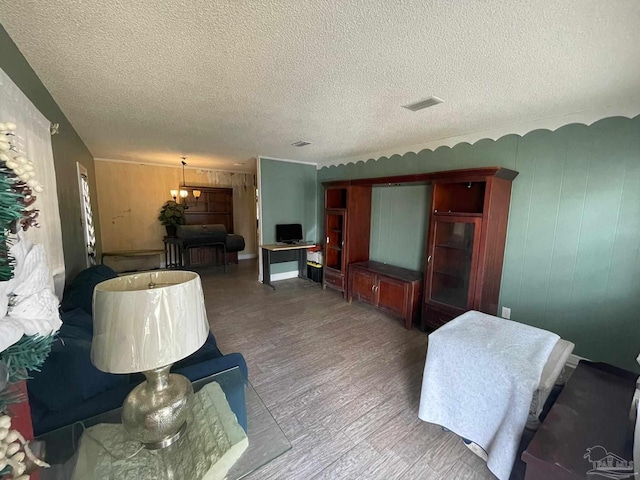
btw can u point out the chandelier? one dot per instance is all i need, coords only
(183, 192)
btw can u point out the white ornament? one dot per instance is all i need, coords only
(32, 183)
(21, 160)
(4, 146)
(12, 165)
(4, 157)
(10, 126)
(3, 127)
(14, 449)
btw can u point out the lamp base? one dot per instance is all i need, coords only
(167, 441)
(155, 412)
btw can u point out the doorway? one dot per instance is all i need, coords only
(86, 215)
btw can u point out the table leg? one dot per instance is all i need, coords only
(266, 267)
(302, 263)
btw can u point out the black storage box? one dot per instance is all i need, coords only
(314, 271)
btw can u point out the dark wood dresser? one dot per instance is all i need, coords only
(588, 423)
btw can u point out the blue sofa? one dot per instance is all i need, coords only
(69, 388)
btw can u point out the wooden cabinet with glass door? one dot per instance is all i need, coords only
(347, 218)
(452, 262)
(334, 260)
(466, 240)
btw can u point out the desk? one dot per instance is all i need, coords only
(592, 412)
(281, 253)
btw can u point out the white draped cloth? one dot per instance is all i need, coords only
(33, 140)
(479, 378)
(28, 305)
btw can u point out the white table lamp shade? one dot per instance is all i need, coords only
(137, 328)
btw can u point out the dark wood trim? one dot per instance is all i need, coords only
(416, 179)
(469, 174)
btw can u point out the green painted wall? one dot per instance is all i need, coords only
(398, 237)
(288, 194)
(68, 148)
(572, 261)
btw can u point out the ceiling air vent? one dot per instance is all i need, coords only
(301, 143)
(420, 104)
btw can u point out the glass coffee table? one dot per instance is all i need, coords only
(266, 439)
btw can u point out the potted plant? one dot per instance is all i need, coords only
(171, 215)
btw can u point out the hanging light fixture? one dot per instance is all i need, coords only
(183, 192)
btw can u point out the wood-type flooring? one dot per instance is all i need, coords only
(342, 380)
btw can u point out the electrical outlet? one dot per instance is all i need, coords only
(506, 313)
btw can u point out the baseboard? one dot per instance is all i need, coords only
(572, 361)
(247, 256)
(284, 275)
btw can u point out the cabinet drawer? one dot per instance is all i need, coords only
(334, 281)
(434, 318)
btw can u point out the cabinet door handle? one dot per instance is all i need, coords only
(428, 259)
(327, 240)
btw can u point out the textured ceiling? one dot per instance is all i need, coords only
(224, 81)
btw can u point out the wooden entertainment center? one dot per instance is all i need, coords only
(469, 212)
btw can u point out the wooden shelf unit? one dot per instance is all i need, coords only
(465, 244)
(465, 240)
(215, 206)
(347, 221)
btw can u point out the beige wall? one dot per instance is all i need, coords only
(130, 196)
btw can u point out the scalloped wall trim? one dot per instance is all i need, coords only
(631, 110)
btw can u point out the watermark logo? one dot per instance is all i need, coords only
(607, 464)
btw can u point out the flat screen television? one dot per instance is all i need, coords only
(288, 233)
